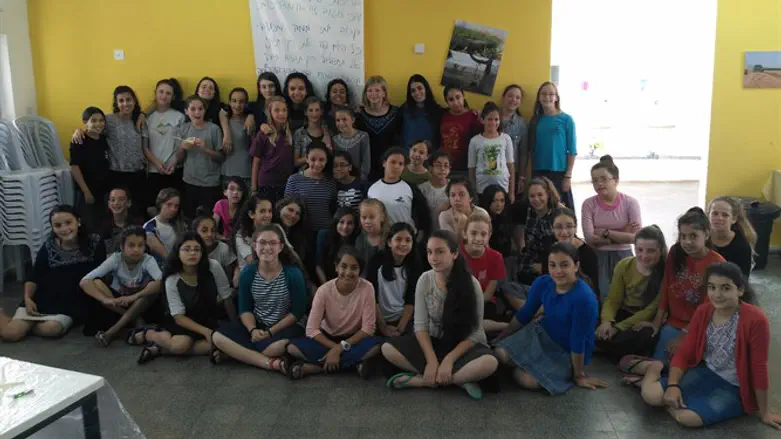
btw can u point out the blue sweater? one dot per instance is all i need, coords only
(554, 141)
(295, 284)
(570, 318)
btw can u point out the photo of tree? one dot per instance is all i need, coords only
(473, 57)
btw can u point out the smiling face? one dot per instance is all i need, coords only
(296, 89)
(418, 92)
(342, 168)
(313, 112)
(238, 102)
(290, 214)
(134, 248)
(538, 198)
(348, 272)
(169, 209)
(263, 214)
(196, 110)
(346, 225)
(394, 167)
(233, 193)
(604, 183)
(439, 255)
(267, 88)
(207, 229)
(206, 89)
(316, 159)
(344, 121)
(647, 253)
(562, 269)
(455, 100)
(491, 122)
(477, 235)
(692, 240)
(126, 103)
(564, 228)
(164, 94)
(401, 244)
(375, 94)
(723, 293)
(418, 154)
(549, 96)
(118, 202)
(268, 246)
(338, 94)
(371, 218)
(190, 253)
(95, 124)
(721, 216)
(65, 226)
(511, 100)
(278, 112)
(460, 199)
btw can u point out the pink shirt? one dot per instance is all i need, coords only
(596, 215)
(340, 315)
(221, 209)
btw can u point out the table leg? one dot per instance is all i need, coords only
(91, 417)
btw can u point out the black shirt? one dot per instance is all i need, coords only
(92, 159)
(738, 252)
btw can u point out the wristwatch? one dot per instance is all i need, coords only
(346, 346)
(606, 234)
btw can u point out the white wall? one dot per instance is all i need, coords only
(13, 23)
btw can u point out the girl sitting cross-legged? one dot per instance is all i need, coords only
(340, 328)
(272, 297)
(449, 345)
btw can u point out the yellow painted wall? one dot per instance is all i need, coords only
(73, 41)
(745, 137)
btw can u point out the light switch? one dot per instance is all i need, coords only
(119, 54)
(420, 48)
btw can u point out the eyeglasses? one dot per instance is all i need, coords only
(262, 243)
(601, 180)
(190, 250)
(342, 165)
(565, 227)
(548, 95)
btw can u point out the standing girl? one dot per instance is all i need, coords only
(458, 125)
(552, 143)
(237, 163)
(272, 298)
(514, 125)
(449, 345)
(194, 286)
(162, 125)
(420, 114)
(297, 89)
(350, 190)
(461, 202)
(208, 90)
(374, 228)
(353, 141)
(337, 95)
(344, 230)
(610, 220)
(565, 226)
(315, 129)
(315, 187)
(53, 300)
(491, 154)
(272, 154)
(720, 371)
(381, 120)
(164, 230)
(394, 272)
(340, 328)
(226, 209)
(552, 353)
(733, 235)
(268, 86)
(255, 213)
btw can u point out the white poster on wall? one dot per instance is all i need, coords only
(320, 38)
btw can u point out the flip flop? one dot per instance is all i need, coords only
(100, 336)
(400, 380)
(149, 353)
(473, 390)
(628, 363)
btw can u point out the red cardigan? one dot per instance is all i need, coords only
(753, 344)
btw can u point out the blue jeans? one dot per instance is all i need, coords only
(666, 334)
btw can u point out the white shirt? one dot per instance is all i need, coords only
(397, 198)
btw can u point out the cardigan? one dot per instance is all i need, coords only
(751, 352)
(295, 283)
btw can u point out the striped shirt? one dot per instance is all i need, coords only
(271, 297)
(319, 196)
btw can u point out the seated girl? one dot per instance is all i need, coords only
(720, 371)
(634, 297)
(564, 226)
(733, 235)
(394, 272)
(340, 328)
(119, 216)
(552, 353)
(350, 190)
(206, 227)
(537, 222)
(461, 198)
(255, 213)
(403, 201)
(135, 284)
(164, 230)
(291, 213)
(53, 301)
(449, 345)
(226, 210)
(272, 297)
(194, 286)
(495, 201)
(344, 230)
(374, 229)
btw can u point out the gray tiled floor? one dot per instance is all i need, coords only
(189, 398)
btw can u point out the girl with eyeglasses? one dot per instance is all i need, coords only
(565, 226)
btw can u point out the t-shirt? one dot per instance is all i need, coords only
(110, 232)
(486, 268)
(397, 198)
(179, 293)
(683, 292)
(384, 131)
(739, 252)
(597, 215)
(163, 231)
(200, 169)
(366, 250)
(271, 300)
(435, 197)
(627, 292)
(351, 194)
(92, 158)
(222, 210)
(243, 249)
(238, 163)
(554, 141)
(127, 281)
(393, 295)
(319, 196)
(276, 160)
(415, 179)
(338, 315)
(569, 318)
(161, 129)
(222, 254)
(489, 158)
(515, 127)
(125, 147)
(456, 131)
(430, 307)
(359, 148)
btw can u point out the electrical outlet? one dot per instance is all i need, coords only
(420, 48)
(119, 54)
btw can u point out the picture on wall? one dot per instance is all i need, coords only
(762, 70)
(473, 57)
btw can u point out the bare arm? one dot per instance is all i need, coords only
(79, 178)
(458, 351)
(255, 169)
(406, 316)
(188, 323)
(490, 290)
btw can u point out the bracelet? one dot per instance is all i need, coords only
(270, 334)
(674, 385)
(568, 176)
(252, 330)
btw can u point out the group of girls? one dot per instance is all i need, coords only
(432, 274)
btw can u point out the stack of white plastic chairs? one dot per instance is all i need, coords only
(34, 178)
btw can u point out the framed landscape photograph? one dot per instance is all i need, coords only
(762, 70)
(473, 57)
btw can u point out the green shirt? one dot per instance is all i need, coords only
(415, 179)
(626, 292)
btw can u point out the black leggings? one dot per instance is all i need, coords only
(195, 196)
(627, 342)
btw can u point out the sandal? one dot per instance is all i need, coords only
(149, 353)
(296, 370)
(131, 336)
(400, 380)
(215, 354)
(278, 364)
(100, 336)
(473, 390)
(628, 363)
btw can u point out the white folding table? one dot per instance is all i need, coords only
(55, 393)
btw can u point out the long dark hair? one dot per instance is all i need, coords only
(328, 104)
(310, 90)
(698, 220)
(82, 234)
(334, 240)
(554, 199)
(732, 272)
(459, 317)
(288, 255)
(654, 285)
(449, 88)
(412, 264)
(242, 223)
(430, 105)
(487, 198)
(268, 76)
(213, 108)
(173, 263)
(520, 89)
(177, 100)
(229, 110)
(126, 89)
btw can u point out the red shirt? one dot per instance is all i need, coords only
(486, 268)
(751, 351)
(456, 132)
(683, 292)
